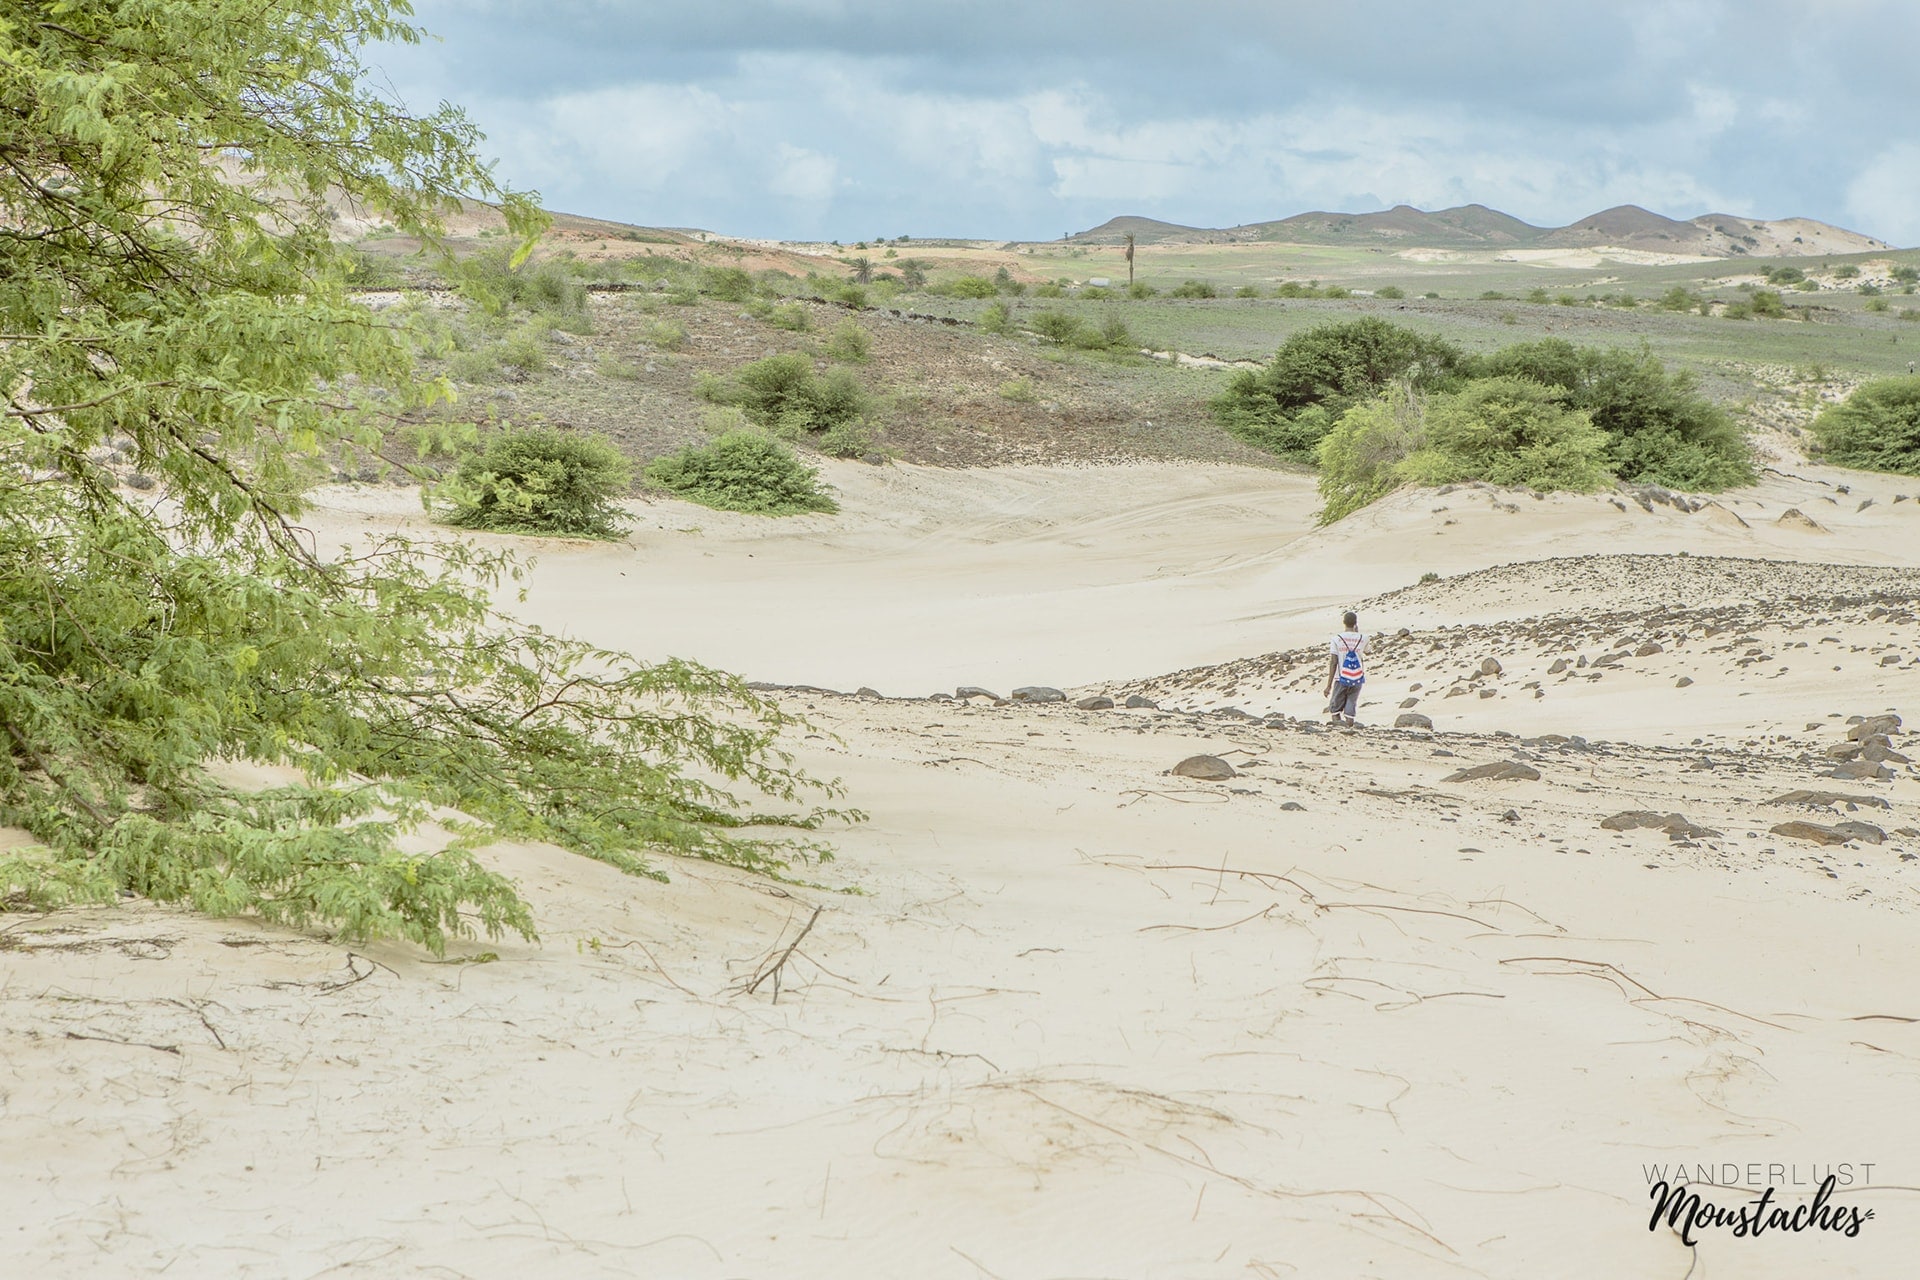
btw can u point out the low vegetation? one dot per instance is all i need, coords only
(1877, 428)
(743, 471)
(538, 480)
(785, 396)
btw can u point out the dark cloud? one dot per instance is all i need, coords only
(800, 117)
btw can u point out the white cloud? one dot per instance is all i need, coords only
(800, 174)
(1885, 198)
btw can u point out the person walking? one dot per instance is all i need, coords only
(1346, 671)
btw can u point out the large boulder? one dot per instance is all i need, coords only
(1038, 693)
(1412, 720)
(1830, 799)
(1205, 768)
(1096, 702)
(1838, 833)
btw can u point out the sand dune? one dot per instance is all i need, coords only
(1337, 1015)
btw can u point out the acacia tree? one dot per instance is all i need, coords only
(169, 292)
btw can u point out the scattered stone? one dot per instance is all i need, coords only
(975, 691)
(1409, 702)
(1559, 665)
(1860, 771)
(1498, 771)
(1457, 691)
(1891, 660)
(1648, 649)
(1097, 702)
(1138, 703)
(1038, 693)
(1232, 713)
(1683, 682)
(868, 691)
(1676, 825)
(1511, 815)
(1880, 750)
(1486, 693)
(1412, 720)
(1829, 798)
(1205, 768)
(1293, 806)
(1839, 833)
(1491, 667)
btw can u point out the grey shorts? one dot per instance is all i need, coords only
(1346, 700)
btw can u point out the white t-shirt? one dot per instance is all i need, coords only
(1339, 647)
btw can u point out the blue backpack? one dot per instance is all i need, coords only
(1351, 672)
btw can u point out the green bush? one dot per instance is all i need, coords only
(1140, 291)
(742, 471)
(849, 342)
(1246, 291)
(1390, 291)
(1018, 391)
(1194, 289)
(1661, 429)
(1846, 271)
(1317, 375)
(996, 318)
(547, 288)
(728, 284)
(1878, 304)
(783, 394)
(1048, 289)
(791, 316)
(1767, 303)
(1057, 326)
(1361, 456)
(1906, 274)
(1096, 293)
(538, 480)
(1877, 428)
(1510, 431)
(1785, 275)
(968, 287)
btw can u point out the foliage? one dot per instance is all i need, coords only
(790, 316)
(1318, 374)
(849, 342)
(784, 395)
(1505, 430)
(1057, 326)
(727, 284)
(1140, 291)
(1390, 291)
(1194, 289)
(743, 471)
(1877, 428)
(168, 285)
(497, 285)
(1766, 302)
(1048, 289)
(1662, 430)
(1906, 274)
(968, 287)
(538, 480)
(996, 318)
(1018, 391)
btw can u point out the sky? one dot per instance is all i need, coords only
(1028, 119)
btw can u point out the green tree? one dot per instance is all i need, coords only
(1511, 432)
(1318, 374)
(1877, 428)
(169, 295)
(1360, 458)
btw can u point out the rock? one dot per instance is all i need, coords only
(1498, 771)
(139, 480)
(1457, 692)
(1860, 770)
(975, 691)
(1138, 703)
(1097, 702)
(1412, 720)
(1559, 665)
(1409, 702)
(1511, 815)
(1232, 713)
(1862, 831)
(1676, 825)
(1038, 693)
(1683, 682)
(1869, 726)
(1648, 649)
(1486, 693)
(1829, 798)
(1293, 806)
(1891, 660)
(1205, 768)
(1490, 667)
(1878, 749)
(1815, 833)
(867, 691)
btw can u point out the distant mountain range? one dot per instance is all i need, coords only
(1474, 226)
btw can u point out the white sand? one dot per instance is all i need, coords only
(1057, 1033)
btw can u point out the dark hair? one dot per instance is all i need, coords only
(1352, 619)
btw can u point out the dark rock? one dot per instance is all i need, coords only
(1293, 806)
(1409, 702)
(1859, 771)
(1868, 726)
(1676, 825)
(1205, 768)
(1815, 833)
(1490, 667)
(1880, 750)
(1097, 702)
(139, 480)
(1498, 771)
(1038, 693)
(1683, 682)
(1412, 720)
(1829, 798)
(867, 691)
(1486, 693)
(975, 691)
(1648, 649)
(1511, 815)
(1138, 703)
(1559, 665)
(1862, 831)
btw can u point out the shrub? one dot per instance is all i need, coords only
(1767, 303)
(1019, 391)
(1318, 374)
(1906, 274)
(1113, 336)
(1869, 290)
(1246, 291)
(1057, 326)
(1877, 428)
(1140, 291)
(968, 287)
(668, 335)
(1390, 291)
(1360, 456)
(1194, 289)
(1538, 295)
(782, 394)
(1096, 292)
(1049, 289)
(850, 438)
(1493, 295)
(997, 318)
(791, 316)
(849, 342)
(1511, 432)
(1878, 304)
(1429, 576)
(1785, 275)
(1336, 291)
(1739, 311)
(728, 284)
(538, 480)
(1661, 429)
(743, 471)
(1908, 313)
(1846, 271)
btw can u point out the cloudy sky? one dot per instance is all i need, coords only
(853, 119)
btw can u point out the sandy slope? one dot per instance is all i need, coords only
(1337, 1016)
